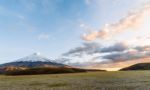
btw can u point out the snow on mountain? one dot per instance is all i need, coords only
(34, 58)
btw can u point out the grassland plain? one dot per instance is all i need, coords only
(119, 80)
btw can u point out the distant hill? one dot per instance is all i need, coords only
(37, 64)
(139, 66)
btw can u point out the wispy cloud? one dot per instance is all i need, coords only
(86, 48)
(132, 20)
(43, 36)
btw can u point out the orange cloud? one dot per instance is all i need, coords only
(90, 36)
(118, 65)
(131, 21)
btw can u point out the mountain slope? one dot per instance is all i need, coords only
(35, 64)
(139, 66)
(34, 60)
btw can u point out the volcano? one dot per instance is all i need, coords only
(34, 60)
(36, 64)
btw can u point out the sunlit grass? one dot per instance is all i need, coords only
(121, 80)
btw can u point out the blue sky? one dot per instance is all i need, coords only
(53, 27)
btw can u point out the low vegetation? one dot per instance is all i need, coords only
(119, 80)
(35, 71)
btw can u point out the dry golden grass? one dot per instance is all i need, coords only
(120, 80)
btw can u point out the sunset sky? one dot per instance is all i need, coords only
(87, 33)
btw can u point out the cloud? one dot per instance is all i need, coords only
(144, 48)
(120, 57)
(131, 53)
(90, 36)
(118, 52)
(43, 36)
(117, 47)
(94, 48)
(86, 48)
(130, 21)
(117, 65)
(62, 60)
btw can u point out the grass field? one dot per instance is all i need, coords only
(120, 80)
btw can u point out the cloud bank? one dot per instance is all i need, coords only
(118, 52)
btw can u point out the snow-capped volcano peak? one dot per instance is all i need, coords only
(34, 58)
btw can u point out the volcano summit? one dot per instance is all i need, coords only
(36, 64)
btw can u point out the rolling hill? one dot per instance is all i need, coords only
(139, 66)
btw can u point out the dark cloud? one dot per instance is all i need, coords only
(93, 48)
(80, 64)
(124, 56)
(118, 47)
(127, 53)
(118, 52)
(86, 48)
(143, 48)
(118, 56)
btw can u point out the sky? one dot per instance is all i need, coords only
(89, 33)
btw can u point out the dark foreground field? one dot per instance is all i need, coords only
(121, 80)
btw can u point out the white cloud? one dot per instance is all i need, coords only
(43, 36)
